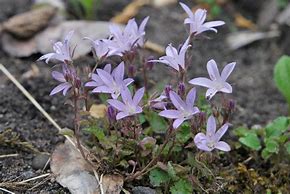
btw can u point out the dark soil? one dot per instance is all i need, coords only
(258, 100)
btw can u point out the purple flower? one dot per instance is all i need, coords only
(107, 82)
(68, 78)
(217, 82)
(62, 50)
(211, 139)
(174, 58)
(185, 109)
(158, 103)
(124, 41)
(101, 48)
(197, 22)
(129, 106)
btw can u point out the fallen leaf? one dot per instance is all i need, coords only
(98, 110)
(72, 171)
(237, 40)
(130, 11)
(243, 22)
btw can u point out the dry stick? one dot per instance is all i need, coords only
(8, 155)
(32, 100)
(5, 190)
(35, 178)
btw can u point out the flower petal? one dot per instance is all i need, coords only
(210, 127)
(223, 146)
(102, 89)
(59, 88)
(122, 115)
(91, 84)
(105, 77)
(108, 68)
(187, 10)
(202, 81)
(177, 123)
(213, 70)
(213, 24)
(210, 93)
(200, 141)
(138, 96)
(227, 88)
(128, 81)
(126, 95)
(177, 101)
(227, 70)
(171, 114)
(117, 104)
(218, 135)
(118, 72)
(190, 98)
(58, 76)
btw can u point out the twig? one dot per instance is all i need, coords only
(8, 155)
(35, 178)
(32, 100)
(5, 190)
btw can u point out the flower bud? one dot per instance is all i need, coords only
(231, 105)
(167, 89)
(131, 71)
(181, 89)
(111, 112)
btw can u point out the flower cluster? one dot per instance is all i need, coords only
(178, 105)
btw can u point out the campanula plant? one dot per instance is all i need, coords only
(147, 133)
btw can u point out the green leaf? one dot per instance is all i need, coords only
(287, 146)
(158, 177)
(183, 134)
(181, 187)
(97, 132)
(282, 76)
(271, 146)
(157, 123)
(251, 140)
(266, 154)
(242, 131)
(142, 118)
(277, 127)
(171, 171)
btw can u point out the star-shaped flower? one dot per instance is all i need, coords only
(185, 109)
(101, 48)
(197, 22)
(129, 105)
(174, 58)
(62, 50)
(211, 140)
(217, 82)
(112, 83)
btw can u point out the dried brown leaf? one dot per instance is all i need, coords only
(98, 111)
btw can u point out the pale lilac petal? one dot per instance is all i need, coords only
(126, 95)
(143, 24)
(106, 77)
(58, 76)
(227, 88)
(211, 127)
(108, 68)
(213, 24)
(102, 89)
(59, 88)
(177, 123)
(91, 84)
(202, 81)
(195, 110)
(171, 51)
(117, 104)
(200, 16)
(118, 72)
(47, 57)
(122, 115)
(200, 140)
(223, 146)
(138, 110)
(210, 93)
(218, 135)
(176, 100)
(171, 114)
(128, 81)
(190, 98)
(97, 79)
(138, 96)
(187, 10)
(227, 70)
(169, 61)
(213, 70)
(65, 90)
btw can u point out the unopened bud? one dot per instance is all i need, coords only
(131, 71)
(111, 112)
(181, 89)
(167, 90)
(231, 105)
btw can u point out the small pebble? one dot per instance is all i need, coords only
(39, 161)
(143, 190)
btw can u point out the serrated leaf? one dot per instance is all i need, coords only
(282, 76)
(181, 187)
(158, 177)
(97, 132)
(277, 127)
(251, 140)
(183, 134)
(271, 146)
